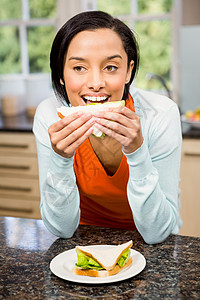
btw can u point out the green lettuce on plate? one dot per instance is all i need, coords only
(86, 262)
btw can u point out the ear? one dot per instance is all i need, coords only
(129, 72)
(61, 82)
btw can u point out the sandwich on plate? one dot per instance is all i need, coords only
(102, 262)
(65, 111)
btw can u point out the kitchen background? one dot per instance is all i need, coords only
(168, 33)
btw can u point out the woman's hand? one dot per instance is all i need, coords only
(68, 134)
(126, 127)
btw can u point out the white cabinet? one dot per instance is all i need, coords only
(19, 184)
(190, 187)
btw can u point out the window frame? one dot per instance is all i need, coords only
(23, 24)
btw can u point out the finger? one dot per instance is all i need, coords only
(128, 112)
(65, 121)
(112, 133)
(120, 110)
(123, 126)
(129, 145)
(123, 116)
(74, 125)
(75, 135)
(69, 128)
(114, 126)
(72, 147)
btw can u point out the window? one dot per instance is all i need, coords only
(27, 29)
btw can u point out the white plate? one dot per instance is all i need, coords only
(194, 124)
(62, 266)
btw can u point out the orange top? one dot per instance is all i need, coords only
(103, 198)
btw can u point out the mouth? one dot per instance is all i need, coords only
(95, 99)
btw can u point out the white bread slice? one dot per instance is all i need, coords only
(65, 111)
(107, 258)
(101, 273)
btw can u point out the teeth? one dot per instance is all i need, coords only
(95, 99)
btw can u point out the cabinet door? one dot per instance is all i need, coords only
(21, 166)
(19, 208)
(16, 187)
(17, 143)
(190, 187)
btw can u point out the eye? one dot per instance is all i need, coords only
(79, 69)
(111, 68)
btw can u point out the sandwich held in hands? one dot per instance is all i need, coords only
(65, 111)
(97, 262)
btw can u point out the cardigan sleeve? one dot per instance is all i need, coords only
(153, 187)
(58, 190)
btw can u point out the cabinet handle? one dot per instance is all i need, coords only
(14, 188)
(5, 166)
(4, 145)
(22, 210)
(191, 154)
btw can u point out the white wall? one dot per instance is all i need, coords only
(190, 67)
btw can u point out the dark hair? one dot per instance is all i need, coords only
(90, 20)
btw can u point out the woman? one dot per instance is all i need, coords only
(130, 178)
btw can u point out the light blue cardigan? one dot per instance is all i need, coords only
(153, 187)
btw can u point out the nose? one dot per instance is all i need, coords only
(96, 80)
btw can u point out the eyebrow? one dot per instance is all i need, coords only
(114, 56)
(107, 58)
(76, 58)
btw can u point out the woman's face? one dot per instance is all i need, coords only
(95, 68)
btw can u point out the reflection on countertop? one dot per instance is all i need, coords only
(26, 249)
(191, 133)
(18, 123)
(31, 237)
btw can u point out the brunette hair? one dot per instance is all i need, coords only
(90, 20)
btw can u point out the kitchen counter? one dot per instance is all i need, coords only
(23, 123)
(19, 123)
(26, 249)
(190, 132)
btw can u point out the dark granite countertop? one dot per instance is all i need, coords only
(190, 132)
(26, 249)
(19, 123)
